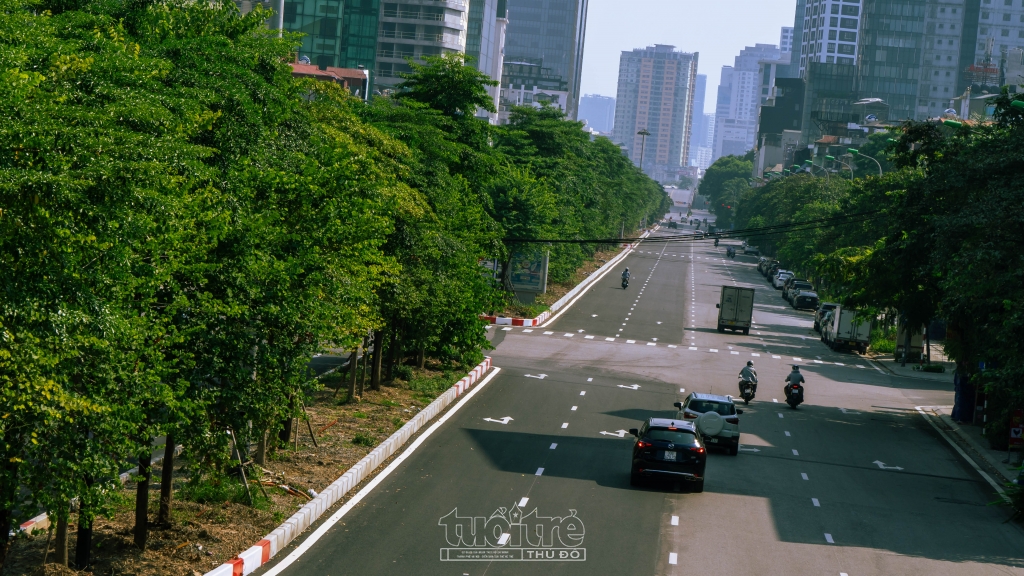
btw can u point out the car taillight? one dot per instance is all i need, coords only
(698, 449)
(733, 420)
(641, 444)
(690, 416)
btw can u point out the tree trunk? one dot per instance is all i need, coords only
(353, 367)
(366, 360)
(285, 435)
(83, 546)
(421, 361)
(906, 341)
(167, 480)
(142, 499)
(5, 534)
(61, 542)
(392, 352)
(378, 357)
(261, 450)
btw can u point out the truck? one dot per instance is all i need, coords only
(846, 329)
(735, 309)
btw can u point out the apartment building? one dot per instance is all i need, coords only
(739, 95)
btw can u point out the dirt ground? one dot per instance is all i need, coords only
(202, 536)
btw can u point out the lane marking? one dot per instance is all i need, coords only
(610, 339)
(506, 329)
(673, 346)
(776, 357)
(588, 337)
(828, 538)
(795, 453)
(573, 408)
(630, 341)
(539, 472)
(651, 344)
(682, 390)
(755, 354)
(787, 433)
(565, 424)
(584, 392)
(527, 330)
(776, 400)
(672, 557)
(590, 379)
(780, 415)
(523, 501)
(355, 500)
(675, 520)
(548, 333)
(552, 447)
(504, 538)
(713, 349)
(795, 359)
(693, 347)
(804, 475)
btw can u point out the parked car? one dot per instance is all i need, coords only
(717, 419)
(772, 269)
(760, 264)
(668, 449)
(751, 250)
(804, 300)
(795, 286)
(780, 278)
(819, 314)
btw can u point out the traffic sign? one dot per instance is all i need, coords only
(1017, 428)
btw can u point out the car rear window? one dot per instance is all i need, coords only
(702, 406)
(674, 436)
(802, 285)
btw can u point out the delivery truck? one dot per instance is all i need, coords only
(846, 329)
(735, 309)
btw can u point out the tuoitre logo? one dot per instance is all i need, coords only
(509, 534)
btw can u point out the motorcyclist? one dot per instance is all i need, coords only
(716, 242)
(794, 377)
(748, 374)
(625, 276)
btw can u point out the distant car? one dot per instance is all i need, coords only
(805, 300)
(751, 250)
(717, 419)
(795, 286)
(673, 224)
(772, 269)
(819, 314)
(668, 449)
(780, 278)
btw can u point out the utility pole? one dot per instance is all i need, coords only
(643, 133)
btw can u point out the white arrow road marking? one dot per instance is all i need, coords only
(617, 433)
(744, 449)
(847, 411)
(631, 386)
(538, 376)
(504, 420)
(884, 467)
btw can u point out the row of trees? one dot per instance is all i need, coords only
(183, 225)
(938, 236)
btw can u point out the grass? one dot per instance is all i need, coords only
(216, 489)
(361, 439)
(883, 341)
(430, 387)
(359, 414)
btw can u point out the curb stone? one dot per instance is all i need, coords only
(983, 453)
(261, 553)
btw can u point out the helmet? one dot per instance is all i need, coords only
(627, 268)
(750, 363)
(796, 368)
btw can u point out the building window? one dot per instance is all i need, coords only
(984, 15)
(1004, 33)
(832, 34)
(847, 48)
(830, 60)
(848, 23)
(834, 21)
(831, 47)
(851, 10)
(936, 73)
(1006, 17)
(848, 36)
(983, 31)
(835, 8)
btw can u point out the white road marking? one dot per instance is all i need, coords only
(539, 472)
(553, 446)
(755, 354)
(651, 344)
(548, 332)
(567, 335)
(631, 386)
(617, 433)
(828, 538)
(538, 376)
(744, 449)
(776, 400)
(630, 341)
(504, 420)
(673, 346)
(815, 502)
(565, 424)
(787, 433)
(882, 466)
(795, 453)
(693, 347)
(590, 379)
(506, 329)
(776, 357)
(780, 415)
(573, 408)
(840, 364)
(682, 390)
(527, 330)
(588, 337)
(818, 362)
(797, 359)
(583, 392)
(610, 339)
(672, 557)
(734, 352)
(713, 349)
(593, 315)
(804, 475)
(504, 538)
(875, 366)
(523, 501)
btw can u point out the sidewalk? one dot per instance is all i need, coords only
(894, 368)
(970, 437)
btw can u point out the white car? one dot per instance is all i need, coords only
(780, 278)
(717, 419)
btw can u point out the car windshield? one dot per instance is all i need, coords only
(802, 285)
(703, 406)
(677, 437)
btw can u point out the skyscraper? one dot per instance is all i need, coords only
(598, 111)
(698, 129)
(485, 43)
(830, 32)
(414, 31)
(544, 54)
(655, 93)
(786, 39)
(339, 34)
(739, 95)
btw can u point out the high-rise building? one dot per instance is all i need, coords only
(793, 69)
(543, 54)
(941, 72)
(655, 93)
(337, 34)
(830, 32)
(739, 94)
(485, 43)
(412, 30)
(598, 112)
(892, 39)
(698, 128)
(786, 39)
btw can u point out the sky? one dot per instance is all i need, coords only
(717, 29)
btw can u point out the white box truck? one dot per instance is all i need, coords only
(847, 331)
(735, 309)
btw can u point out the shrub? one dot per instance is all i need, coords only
(361, 439)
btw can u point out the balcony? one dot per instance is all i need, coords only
(398, 35)
(412, 15)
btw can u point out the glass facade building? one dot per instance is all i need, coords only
(339, 34)
(544, 53)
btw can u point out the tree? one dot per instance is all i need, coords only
(446, 83)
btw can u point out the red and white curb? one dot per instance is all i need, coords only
(582, 286)
(269, 546)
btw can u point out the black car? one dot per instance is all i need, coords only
(668, 449)
(805, 300)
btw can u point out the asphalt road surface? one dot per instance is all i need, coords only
(853, 482)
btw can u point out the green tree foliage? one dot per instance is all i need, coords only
(183, 225)
(723, 183)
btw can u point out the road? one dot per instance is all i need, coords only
(807, 494)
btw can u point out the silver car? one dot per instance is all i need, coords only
(780, 278)
(717, 419)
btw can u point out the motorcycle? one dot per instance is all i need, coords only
(746, 391)
(795, 395)
(716, 242)
(625, 283)
(730, 252)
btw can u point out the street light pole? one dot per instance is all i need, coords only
(643, 141)
(811, 164)
(856, 152)
(834, 159)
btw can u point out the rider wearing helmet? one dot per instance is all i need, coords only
(795, 377)
(625, 273)
(748, 374)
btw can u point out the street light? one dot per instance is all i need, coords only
(856, 152)
(833, 159)
(643, 133)
(811, 164)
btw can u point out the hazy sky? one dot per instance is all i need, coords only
(718, 29)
